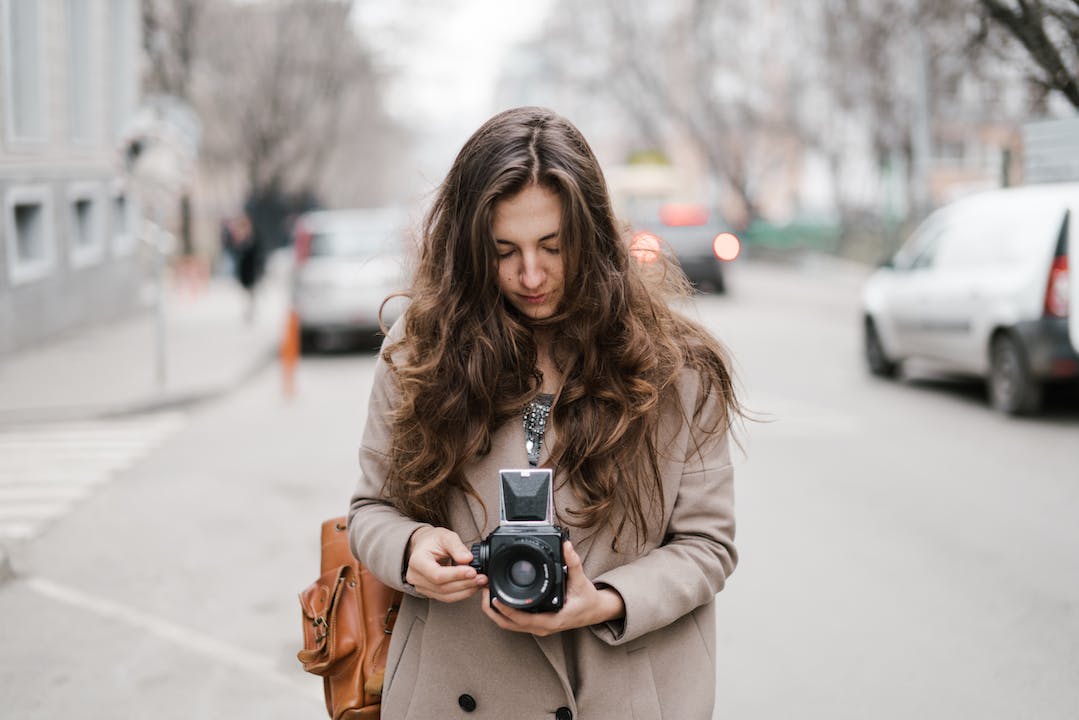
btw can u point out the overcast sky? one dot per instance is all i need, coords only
(443, 57)
(446, 55)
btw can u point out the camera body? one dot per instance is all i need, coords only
(522, 557)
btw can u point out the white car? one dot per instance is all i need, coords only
(347, 263)
(985, 287)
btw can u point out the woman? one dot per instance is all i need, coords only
(533, 337)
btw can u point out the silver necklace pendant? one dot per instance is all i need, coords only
(535, 423)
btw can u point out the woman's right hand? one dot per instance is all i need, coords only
(438, 566)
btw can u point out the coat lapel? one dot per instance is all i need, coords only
(553, 650)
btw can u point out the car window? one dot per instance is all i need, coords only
(977, 236)
(351, 242)
(921, 249)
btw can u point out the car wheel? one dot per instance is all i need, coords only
(720, 284)
(875, 357)
(1012, 389)
(308, 341)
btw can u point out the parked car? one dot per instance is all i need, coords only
(346, 264)
(699, 239)
(984, 287)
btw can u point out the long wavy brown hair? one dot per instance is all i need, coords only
(466, 362)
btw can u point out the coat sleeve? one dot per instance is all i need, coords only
(378, 533)
(697, 554)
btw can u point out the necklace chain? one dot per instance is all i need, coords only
(535, 424)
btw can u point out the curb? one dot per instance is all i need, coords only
(192, 398)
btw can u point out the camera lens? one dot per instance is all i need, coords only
(523, 573)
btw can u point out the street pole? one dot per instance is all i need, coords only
(160, 338)
(158, 242)
(168, 130)
(921, 126)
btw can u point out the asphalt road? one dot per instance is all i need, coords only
(905, 552)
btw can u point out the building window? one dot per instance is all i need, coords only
(29, 230)
(951, 151)
(123, 73)
(24, 64)
(81, 115)
(84, 222)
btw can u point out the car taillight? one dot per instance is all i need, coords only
(303, 245)
(726, 246)
(1056, 294)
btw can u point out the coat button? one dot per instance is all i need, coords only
(467, 702)
(563, 713)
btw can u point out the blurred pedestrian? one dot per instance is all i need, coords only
(241, 241)
(533, 339)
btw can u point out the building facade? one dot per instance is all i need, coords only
(69, 85)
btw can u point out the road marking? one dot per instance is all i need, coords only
(40, 510)
(191, 640)
(21, 493)
(18, 530)
(46, 469)
(58, 476)
(786, 417)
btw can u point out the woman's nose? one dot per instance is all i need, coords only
(532, 273)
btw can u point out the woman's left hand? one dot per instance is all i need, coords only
(585, 604)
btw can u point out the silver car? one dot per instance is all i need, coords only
(347, 263)
(986, 286)
(700, 240)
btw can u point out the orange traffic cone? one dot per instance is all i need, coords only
(290, 353)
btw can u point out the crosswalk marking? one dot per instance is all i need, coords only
(46, 469)
(22, 493)
(31, 510)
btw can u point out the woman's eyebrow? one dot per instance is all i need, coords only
(548, 236)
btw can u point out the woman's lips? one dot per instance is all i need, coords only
(535, 299)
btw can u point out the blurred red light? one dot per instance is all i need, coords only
(645, 247)
(1063, 368)
(1056, 292)
(302, 244)
(675, 215)
(726, 246)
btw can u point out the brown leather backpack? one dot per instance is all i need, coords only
(348, 616)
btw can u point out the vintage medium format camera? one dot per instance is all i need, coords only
(522, 558)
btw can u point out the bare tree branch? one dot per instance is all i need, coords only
(1050, 34)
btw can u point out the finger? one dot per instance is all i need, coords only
(508, 613)
(500, 620)
(575, 577)
(455, 587)
(441, 592)
(452, 547)
(537, 624)
(570, 553)
(431, 573)
(461, 554)
(442, 545)
(485, 606)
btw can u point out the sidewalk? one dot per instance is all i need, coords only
(111, 369)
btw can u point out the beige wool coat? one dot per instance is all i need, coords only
(448, 660)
